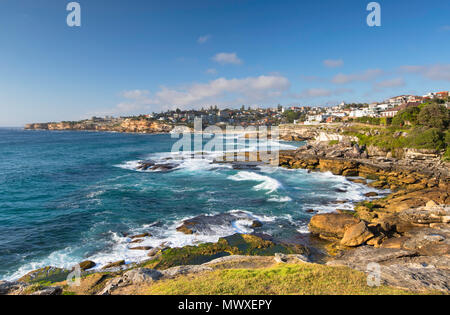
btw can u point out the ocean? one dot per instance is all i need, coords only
(72, 196)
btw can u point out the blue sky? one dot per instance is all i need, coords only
(140, 56)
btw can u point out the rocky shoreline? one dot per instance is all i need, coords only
(406, 235)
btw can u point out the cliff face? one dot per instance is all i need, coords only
(125, 125)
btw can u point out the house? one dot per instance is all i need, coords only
(442, 95)
(394, 111)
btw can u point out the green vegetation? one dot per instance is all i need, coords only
(333, 142)
(304, 279)
(422, 127)
(237, 244)
(291, 115)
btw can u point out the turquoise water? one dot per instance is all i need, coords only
(70, 196)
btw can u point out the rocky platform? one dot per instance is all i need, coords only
(406, 233)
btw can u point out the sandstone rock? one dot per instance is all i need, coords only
(114, 264)
(379, 184)
(291, 259)
(416, 277)
(183, 270)
(142, 275)
(141, 235)
(88, 264)
(395, 242)
(49, 291)
(132, 277)
(7, 287)
(137, 241)
(376, 241)
(371, 194)
(356, 235)
(331, 225)
(360, 257)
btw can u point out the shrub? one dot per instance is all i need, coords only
(408, 115)
(434, 116)
(426, 139)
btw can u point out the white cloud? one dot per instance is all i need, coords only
(203, 39)
(368, 75)
(436, 72)
(320, 92)
(227, 92)
(390, 83)
(211, 71)
(333, 63)
(227, 58)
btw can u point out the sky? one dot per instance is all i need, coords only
(142, 56)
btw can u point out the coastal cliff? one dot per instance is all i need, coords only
(132, 125)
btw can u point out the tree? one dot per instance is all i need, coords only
(408, 115)
(434, 116)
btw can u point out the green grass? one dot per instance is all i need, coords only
(305, 279)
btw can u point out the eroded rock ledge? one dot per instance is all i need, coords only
(407, 233)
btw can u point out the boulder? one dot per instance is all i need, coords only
(141, 275)
(356, 235)
(132, 277)
(141, 235)
(49, 291)
(371, 194)
(291, 259)
(87, 264)
(331, 225)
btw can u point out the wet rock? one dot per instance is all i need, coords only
(141, 235)
(256, 224)
(137, 241)
(356, 235)
(145, 165)
(371, 194)
(114, 264)
(88, 264)
(141, 248)
(331, 225)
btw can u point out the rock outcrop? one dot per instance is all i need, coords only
(132, 125)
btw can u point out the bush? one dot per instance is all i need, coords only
(406, 116)
(426, 139)
(434, 116)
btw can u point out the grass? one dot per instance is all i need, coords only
(305, 279)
